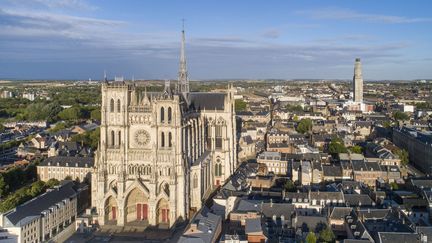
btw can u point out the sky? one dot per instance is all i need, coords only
(225, 39)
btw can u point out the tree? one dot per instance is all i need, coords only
(240, 105)
(356, 149)
(52, 183)
(326, 235)
(394, 186)
(90, 139)
(387, 124)
(95, 114)
(59, 126)
(70, 114)
(290, 186)
(400, 116)
(68, 178)
(403, 156)
(337, 146)
(304, 126)
(2, 128)
(4, 187)
(311, 238)
(37, 188)
(294, 108)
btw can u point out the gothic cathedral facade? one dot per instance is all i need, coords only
(161, 153)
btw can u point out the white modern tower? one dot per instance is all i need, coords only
(358, 82)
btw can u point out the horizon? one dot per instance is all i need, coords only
(79, 39)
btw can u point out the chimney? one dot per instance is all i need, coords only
(423, 238)
(193, 227)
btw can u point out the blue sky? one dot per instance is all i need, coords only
(79, 39)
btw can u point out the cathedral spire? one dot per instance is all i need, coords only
(183, 81)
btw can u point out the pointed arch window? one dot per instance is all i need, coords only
(162, 139)
(218, 135)
(170, 139)
(112, 138)
(119, 138)
(218, 169)
(162, 114)
(112, 105)
(169, 114)
(118, 105)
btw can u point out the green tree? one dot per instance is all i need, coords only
(70, 114)
(394, 186)
(356, 149)
(403, 156)
(311, 238)
(294, 108)
(387, 124)
(4, 187)
(52, 183)
(37, 188)
(96, 114)
(90, 139)
(68, 178)
(304, 126)
(400, 116)
(337, 146)
(240, 105)
(326, 235)
(59, 126)
(290, 186)
(2, 128)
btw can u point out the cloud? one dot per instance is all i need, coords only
(56, 4)
(347, 14)
(51, 44)
(271, 33)
(19, 24)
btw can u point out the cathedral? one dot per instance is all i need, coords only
(161, 153)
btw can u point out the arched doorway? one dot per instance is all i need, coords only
(111, 210)
(136, 206)
(162, 210)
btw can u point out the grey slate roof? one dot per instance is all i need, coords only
(340, 213)
(34, 207)
(278, 209)
(353, 200)
(208, 101)
(70, 161)
(392, 237)
(326, 196)
(311, 221)
(356, 241)
(248, 206)
(253, 226)
(331, 170)
(207, 223)
(373, 213)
